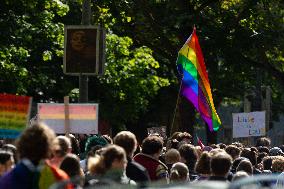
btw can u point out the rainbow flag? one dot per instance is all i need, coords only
(195, 83)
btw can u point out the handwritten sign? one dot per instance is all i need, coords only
(14, 114)
(248, 124)
(83, 117)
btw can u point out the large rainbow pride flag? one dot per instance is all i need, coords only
(195, 83)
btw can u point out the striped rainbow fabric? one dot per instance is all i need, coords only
(195, 83)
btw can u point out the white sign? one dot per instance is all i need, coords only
(248, 124)
(83, 118)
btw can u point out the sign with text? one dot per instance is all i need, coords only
(83, 118)
(14, 114)
(248, 124)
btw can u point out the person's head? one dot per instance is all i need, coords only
(275, 151)
(184, 137)
(233, 151)
(6, 161)
(179, 172)
(222, 145)
(250, 154)
(172, 156)
(74, 144)
(263, 141)
(246, 166)
(239, 175)
(78, 40)
(112, 157)
(188, 155)
(152, 145)
(35, 142)
(220, 164)
(126, 140)
(267, 162)
(278, 164)
(236, 163)
(71, 165)
(61, 146)
(95, 141)
(261, 156)
(13, 149)
(203, 164)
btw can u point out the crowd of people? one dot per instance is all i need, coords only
(39, 159)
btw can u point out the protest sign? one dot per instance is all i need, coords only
(248, 124)
(14, 114)
(83, 118)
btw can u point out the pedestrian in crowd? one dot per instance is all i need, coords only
(6, 161)
(134, 170)
(179, 173)
(263, 141)
(71, 165)
(220, 165)
(33, 171)
(109, 167)
(13, 149)
(233, 151)
(75, 146)
(61, 147)
(172, 156)
(239, 175)
(189, 157)
(202, 167)
(246, 166)
(278, 165)
(93, 144)
(152, 147)
(251, 154)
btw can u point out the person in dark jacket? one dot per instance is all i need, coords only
(134, 170)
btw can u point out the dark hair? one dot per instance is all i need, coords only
(126, 140)
(11, 148)
(188, 152)
(263, 149)
(263, 141)
(233, 151)
(246, 166)
(183, 135)
(75, 144)
(220, 164)
(236, 163)
(250, 154)
(152, 145)
(71, 165)
(267, 162)
(35, 142)
(222, 146)
(203, 164)
(5, 156)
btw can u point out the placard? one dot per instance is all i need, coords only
(248, 124)
(14, 114)
(83, 118)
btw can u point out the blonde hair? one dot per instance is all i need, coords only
(278, 164)
(179, 172)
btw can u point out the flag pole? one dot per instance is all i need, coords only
(177, 103)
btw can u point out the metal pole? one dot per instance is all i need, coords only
(83, 79)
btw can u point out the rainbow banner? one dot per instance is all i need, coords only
(83, 118)
(14, 114)
(195, 83)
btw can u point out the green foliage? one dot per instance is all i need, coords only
(130, 80)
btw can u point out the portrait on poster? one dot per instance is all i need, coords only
(81, 50)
